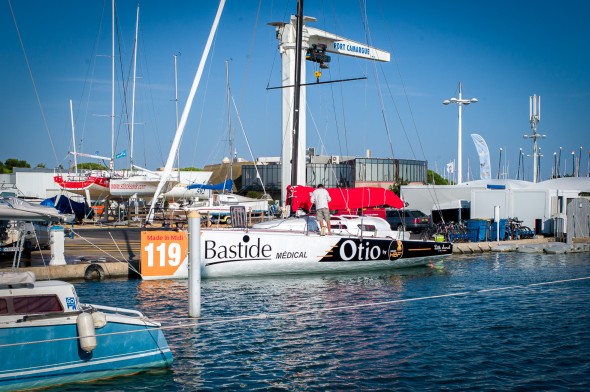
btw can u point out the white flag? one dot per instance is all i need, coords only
(485, 172)
(451, 167)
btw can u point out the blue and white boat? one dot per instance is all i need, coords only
(47, 337)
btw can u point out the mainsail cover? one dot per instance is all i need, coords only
(345, 198)
(485, 171)
(222, 186)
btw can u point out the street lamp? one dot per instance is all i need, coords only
(460, 102)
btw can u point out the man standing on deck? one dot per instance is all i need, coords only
(320, 197)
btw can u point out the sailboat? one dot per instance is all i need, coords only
(296, 246)
(133, 182)
(102, 184)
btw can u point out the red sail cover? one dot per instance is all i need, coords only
(345, 198)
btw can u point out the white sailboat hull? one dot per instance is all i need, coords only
(235, 253)
(141, 186)
(239, 253)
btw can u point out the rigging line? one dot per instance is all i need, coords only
(107, 253)
(318, 83)
(131, 267)
(124, 111)
(322, 145)
(372, 304)
(206, 91)
(336, 119)
(368, 39)
(431, 190)
(90, 71)
(279, 315)
(332, 92)
(247, 143)
(33, 82)
(249, 61)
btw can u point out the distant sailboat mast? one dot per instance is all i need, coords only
(112, 162)
(133, 88)
(229, 135)
(185, 112)
(74, 138)
(176, 104)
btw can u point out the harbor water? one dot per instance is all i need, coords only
(495, 321)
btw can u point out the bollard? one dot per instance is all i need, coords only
(56, 237)
(194, 264)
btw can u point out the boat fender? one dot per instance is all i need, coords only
(86, 332)
(100, 319)
(94, 272)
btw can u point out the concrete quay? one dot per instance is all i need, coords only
(480, 247)
(95, 253)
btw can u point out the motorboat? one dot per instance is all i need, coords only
(48, 337)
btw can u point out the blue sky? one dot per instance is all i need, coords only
(502, 51)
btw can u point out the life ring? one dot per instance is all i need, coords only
(94, 272)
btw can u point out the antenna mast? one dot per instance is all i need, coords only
(535, 118)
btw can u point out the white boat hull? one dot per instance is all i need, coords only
(240, 253)
(127, 187)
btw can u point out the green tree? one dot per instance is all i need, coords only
(191, 169)
(11, 163)
(435, 178)
(40, 166)
(91, 166)
(395, 187)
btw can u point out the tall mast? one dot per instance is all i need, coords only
(74, 138)
(187, 107)
(133, 93)
(112, 163)
(296, 97)
(231, 141)
(176, 104)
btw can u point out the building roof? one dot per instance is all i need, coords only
(581, 184)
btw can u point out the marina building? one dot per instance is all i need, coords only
(554, 207)
(336, 171)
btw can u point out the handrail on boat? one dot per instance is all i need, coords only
(117, 310)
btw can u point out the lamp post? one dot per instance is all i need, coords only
(460, 102)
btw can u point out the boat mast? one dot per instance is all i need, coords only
(231, 141)
(185, 112)
(133, 88)
(176, 104)
(74, 138)
(296, 96)
(112, 162)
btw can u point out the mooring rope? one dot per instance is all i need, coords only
(264, 316)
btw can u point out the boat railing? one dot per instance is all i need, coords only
(117, 310)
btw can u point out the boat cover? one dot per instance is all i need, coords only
(345, 198)
(8, 279)
(227, 185)
(65, 205)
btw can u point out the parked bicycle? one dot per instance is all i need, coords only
(451, 232)
(515, 230)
